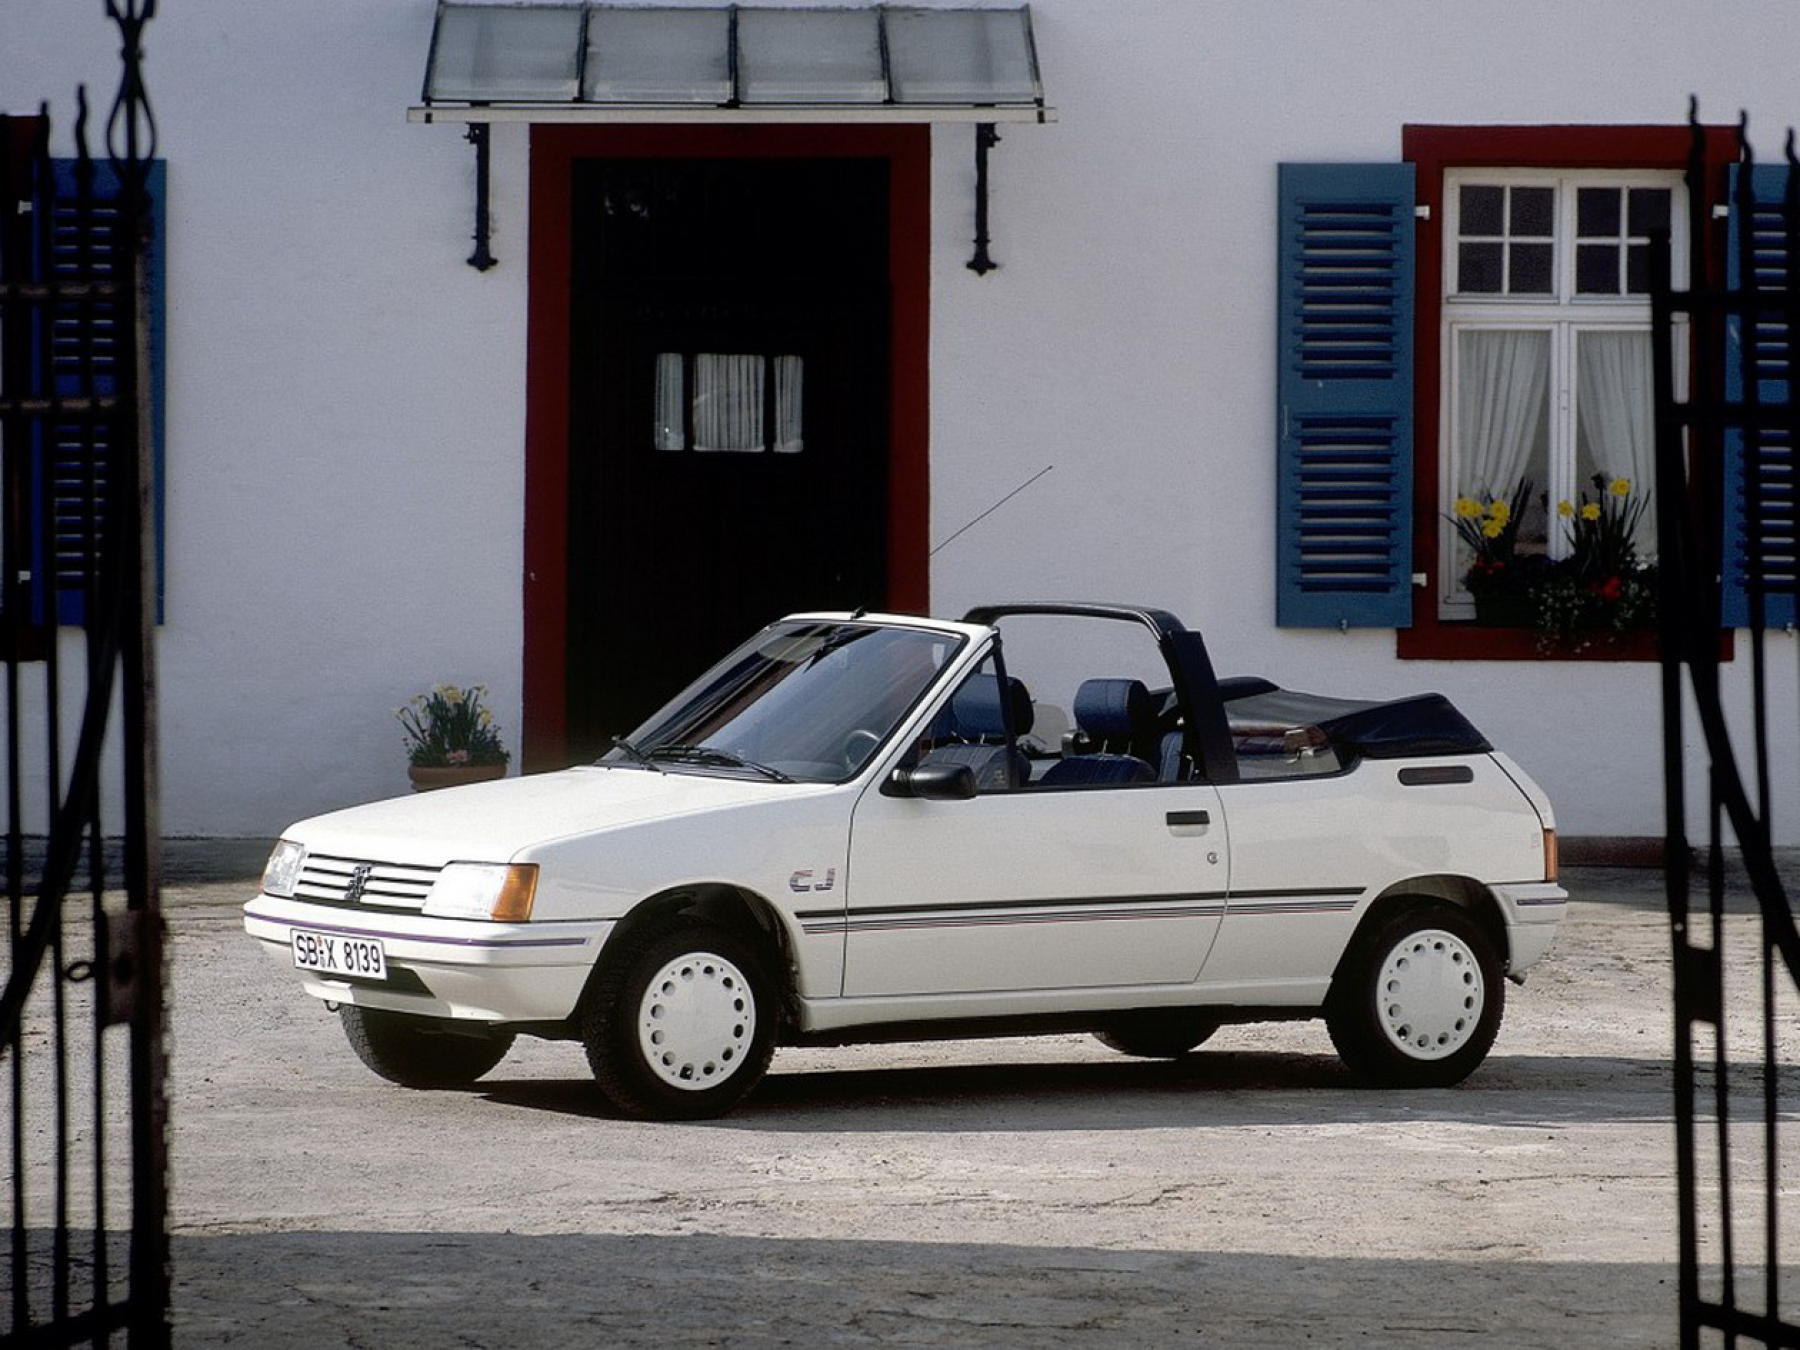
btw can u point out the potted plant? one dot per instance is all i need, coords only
(451, 738)
(1603, 590)
(1499, 579)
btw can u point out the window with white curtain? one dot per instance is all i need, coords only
(1546, 346)
(729, 402)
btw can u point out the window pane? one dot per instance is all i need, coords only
(789, 401)
(1503, 422)
(1482, 210)
(658, 56)
(1478, 269)
(728, 402)
(671, 393)
(504, 54)
(1597, 269)
(810, 56)
(1531, 272)
(1533, 211)
(1637, 269)
(1614, 429)
(1597, 213)
(961, 56)
(1649, 210)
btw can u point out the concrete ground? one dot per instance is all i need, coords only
(1039, 1192)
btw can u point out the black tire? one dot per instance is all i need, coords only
(420, 1052)
(1418, 1001)
(1159, 1035)
(680, 1022)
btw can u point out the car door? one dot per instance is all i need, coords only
(1033, 888)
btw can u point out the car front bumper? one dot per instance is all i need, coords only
(451, 968)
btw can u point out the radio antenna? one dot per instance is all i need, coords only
(990, 511)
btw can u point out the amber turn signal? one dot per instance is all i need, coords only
(513, 904)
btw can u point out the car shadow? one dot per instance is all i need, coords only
(1219, 1088)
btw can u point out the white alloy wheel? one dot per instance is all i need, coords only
(1430, 994)
(696, 1021)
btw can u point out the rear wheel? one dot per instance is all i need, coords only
(1158, 1035)
(680, 1023)
(419, 1052)
(1418, 1002)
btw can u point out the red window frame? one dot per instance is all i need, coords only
(1431, 150)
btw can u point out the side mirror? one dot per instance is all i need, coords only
(932, 782)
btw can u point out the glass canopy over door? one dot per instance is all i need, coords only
(590, 60)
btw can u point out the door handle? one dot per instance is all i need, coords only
(1176, 819)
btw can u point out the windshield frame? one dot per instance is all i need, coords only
(692, 732)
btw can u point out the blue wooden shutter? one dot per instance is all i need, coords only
(85, 348)
(1778, 550)
(1344, 534)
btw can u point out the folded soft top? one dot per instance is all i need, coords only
(1425, 724)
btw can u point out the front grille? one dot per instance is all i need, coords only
(326, 880)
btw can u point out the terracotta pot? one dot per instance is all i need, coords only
(430, 777)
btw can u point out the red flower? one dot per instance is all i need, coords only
(1609, 590)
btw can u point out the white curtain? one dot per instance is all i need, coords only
(671, 392)
(1503, 378)
(1614, 411)
(728, 402)
(789, 374)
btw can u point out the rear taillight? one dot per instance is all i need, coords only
(1550, 863)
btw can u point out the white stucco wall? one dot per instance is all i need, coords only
(346, 397)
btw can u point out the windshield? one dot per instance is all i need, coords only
(799, 702)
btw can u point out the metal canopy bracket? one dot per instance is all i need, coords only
(482, 258)
(986, 137)
(637, 65)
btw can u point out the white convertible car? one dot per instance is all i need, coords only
(858, 827)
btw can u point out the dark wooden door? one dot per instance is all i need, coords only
(728, 415)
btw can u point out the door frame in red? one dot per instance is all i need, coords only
(554, 150)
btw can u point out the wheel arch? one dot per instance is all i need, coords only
(1462, 892)
(737, 909)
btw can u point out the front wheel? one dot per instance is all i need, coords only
(680, 1024)
(417, 1052)
(1418, 1002)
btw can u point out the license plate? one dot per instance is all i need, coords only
(335, 954)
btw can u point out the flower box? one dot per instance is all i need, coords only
(1505, 609)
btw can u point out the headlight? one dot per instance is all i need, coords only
(283, 871)
(497, 891)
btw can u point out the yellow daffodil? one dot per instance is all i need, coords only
(1565, 508)
(1621, 487)
(1468, 508)
(1499, 511)
(1590, 511)
(1491, 529)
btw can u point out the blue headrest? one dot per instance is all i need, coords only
(1113, 708)
(975, 708)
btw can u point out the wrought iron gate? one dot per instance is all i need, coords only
(1741, 414)
(82, 1014)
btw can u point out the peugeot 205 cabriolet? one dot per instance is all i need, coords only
(858, 827)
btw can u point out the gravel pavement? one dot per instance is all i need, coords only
(1037, 1192)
